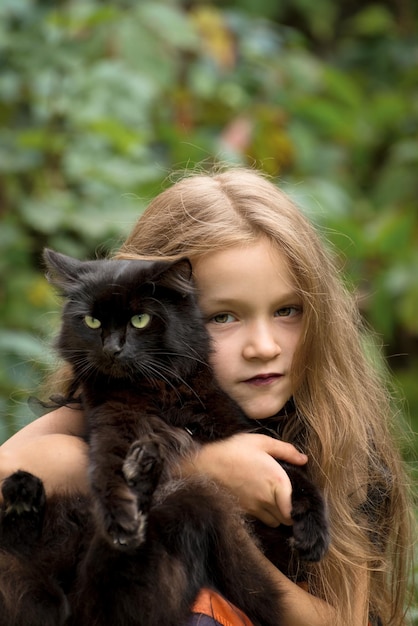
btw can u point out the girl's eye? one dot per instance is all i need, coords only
(92, 322)
(222, 318)
(140, 321)
(288, 311)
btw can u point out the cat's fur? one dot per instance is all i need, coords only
(140, 548)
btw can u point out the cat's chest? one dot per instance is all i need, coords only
(176, 403)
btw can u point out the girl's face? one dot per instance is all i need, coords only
(254, 317)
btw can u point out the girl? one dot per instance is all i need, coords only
(283, 329)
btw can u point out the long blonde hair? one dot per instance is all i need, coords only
(343, 407)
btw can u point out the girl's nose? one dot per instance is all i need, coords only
(261, 343)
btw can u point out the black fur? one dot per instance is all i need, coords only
(140, 548)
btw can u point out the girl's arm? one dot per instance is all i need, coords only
(303, 608)
(51, 448)
(62, 421)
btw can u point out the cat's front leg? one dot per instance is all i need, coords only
(115, 507)
(123, 479)
(116, 512)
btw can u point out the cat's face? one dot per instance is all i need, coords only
(128, 319)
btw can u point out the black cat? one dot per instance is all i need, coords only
(138, 550)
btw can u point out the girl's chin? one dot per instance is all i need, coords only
(262, 412)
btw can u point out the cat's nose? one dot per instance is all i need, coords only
(112, 347)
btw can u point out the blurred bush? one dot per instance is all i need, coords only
(99, 102)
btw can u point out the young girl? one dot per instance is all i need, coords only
(283, 328)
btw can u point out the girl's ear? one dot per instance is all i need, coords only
(63, 271)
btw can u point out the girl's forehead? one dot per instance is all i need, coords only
(262, 249)
(258, 263)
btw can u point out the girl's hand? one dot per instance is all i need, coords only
(246, 465)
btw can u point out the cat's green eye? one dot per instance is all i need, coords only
(92, 322)
(140, 321)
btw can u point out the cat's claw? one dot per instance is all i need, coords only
(118, 541)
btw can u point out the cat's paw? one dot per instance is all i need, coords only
(310, 528)
(142, 469)
(21, 513)
(124, 525)
(310, 536)
(22, 493)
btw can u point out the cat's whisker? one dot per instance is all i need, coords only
(84, 367)
(182, 355)
(156, 372)
(163, 368)
(160, 304)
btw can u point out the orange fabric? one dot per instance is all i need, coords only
(208, 602)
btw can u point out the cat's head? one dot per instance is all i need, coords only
(128, 319)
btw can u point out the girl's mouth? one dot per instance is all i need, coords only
(263, 379)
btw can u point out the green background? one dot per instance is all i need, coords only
(100, 102)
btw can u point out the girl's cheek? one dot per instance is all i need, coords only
(224, 354)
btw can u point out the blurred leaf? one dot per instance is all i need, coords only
(24, 345)
(390, 233)
(170, 24)
(374, 19)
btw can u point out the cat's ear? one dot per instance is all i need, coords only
(62, 271)
(178, 276)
